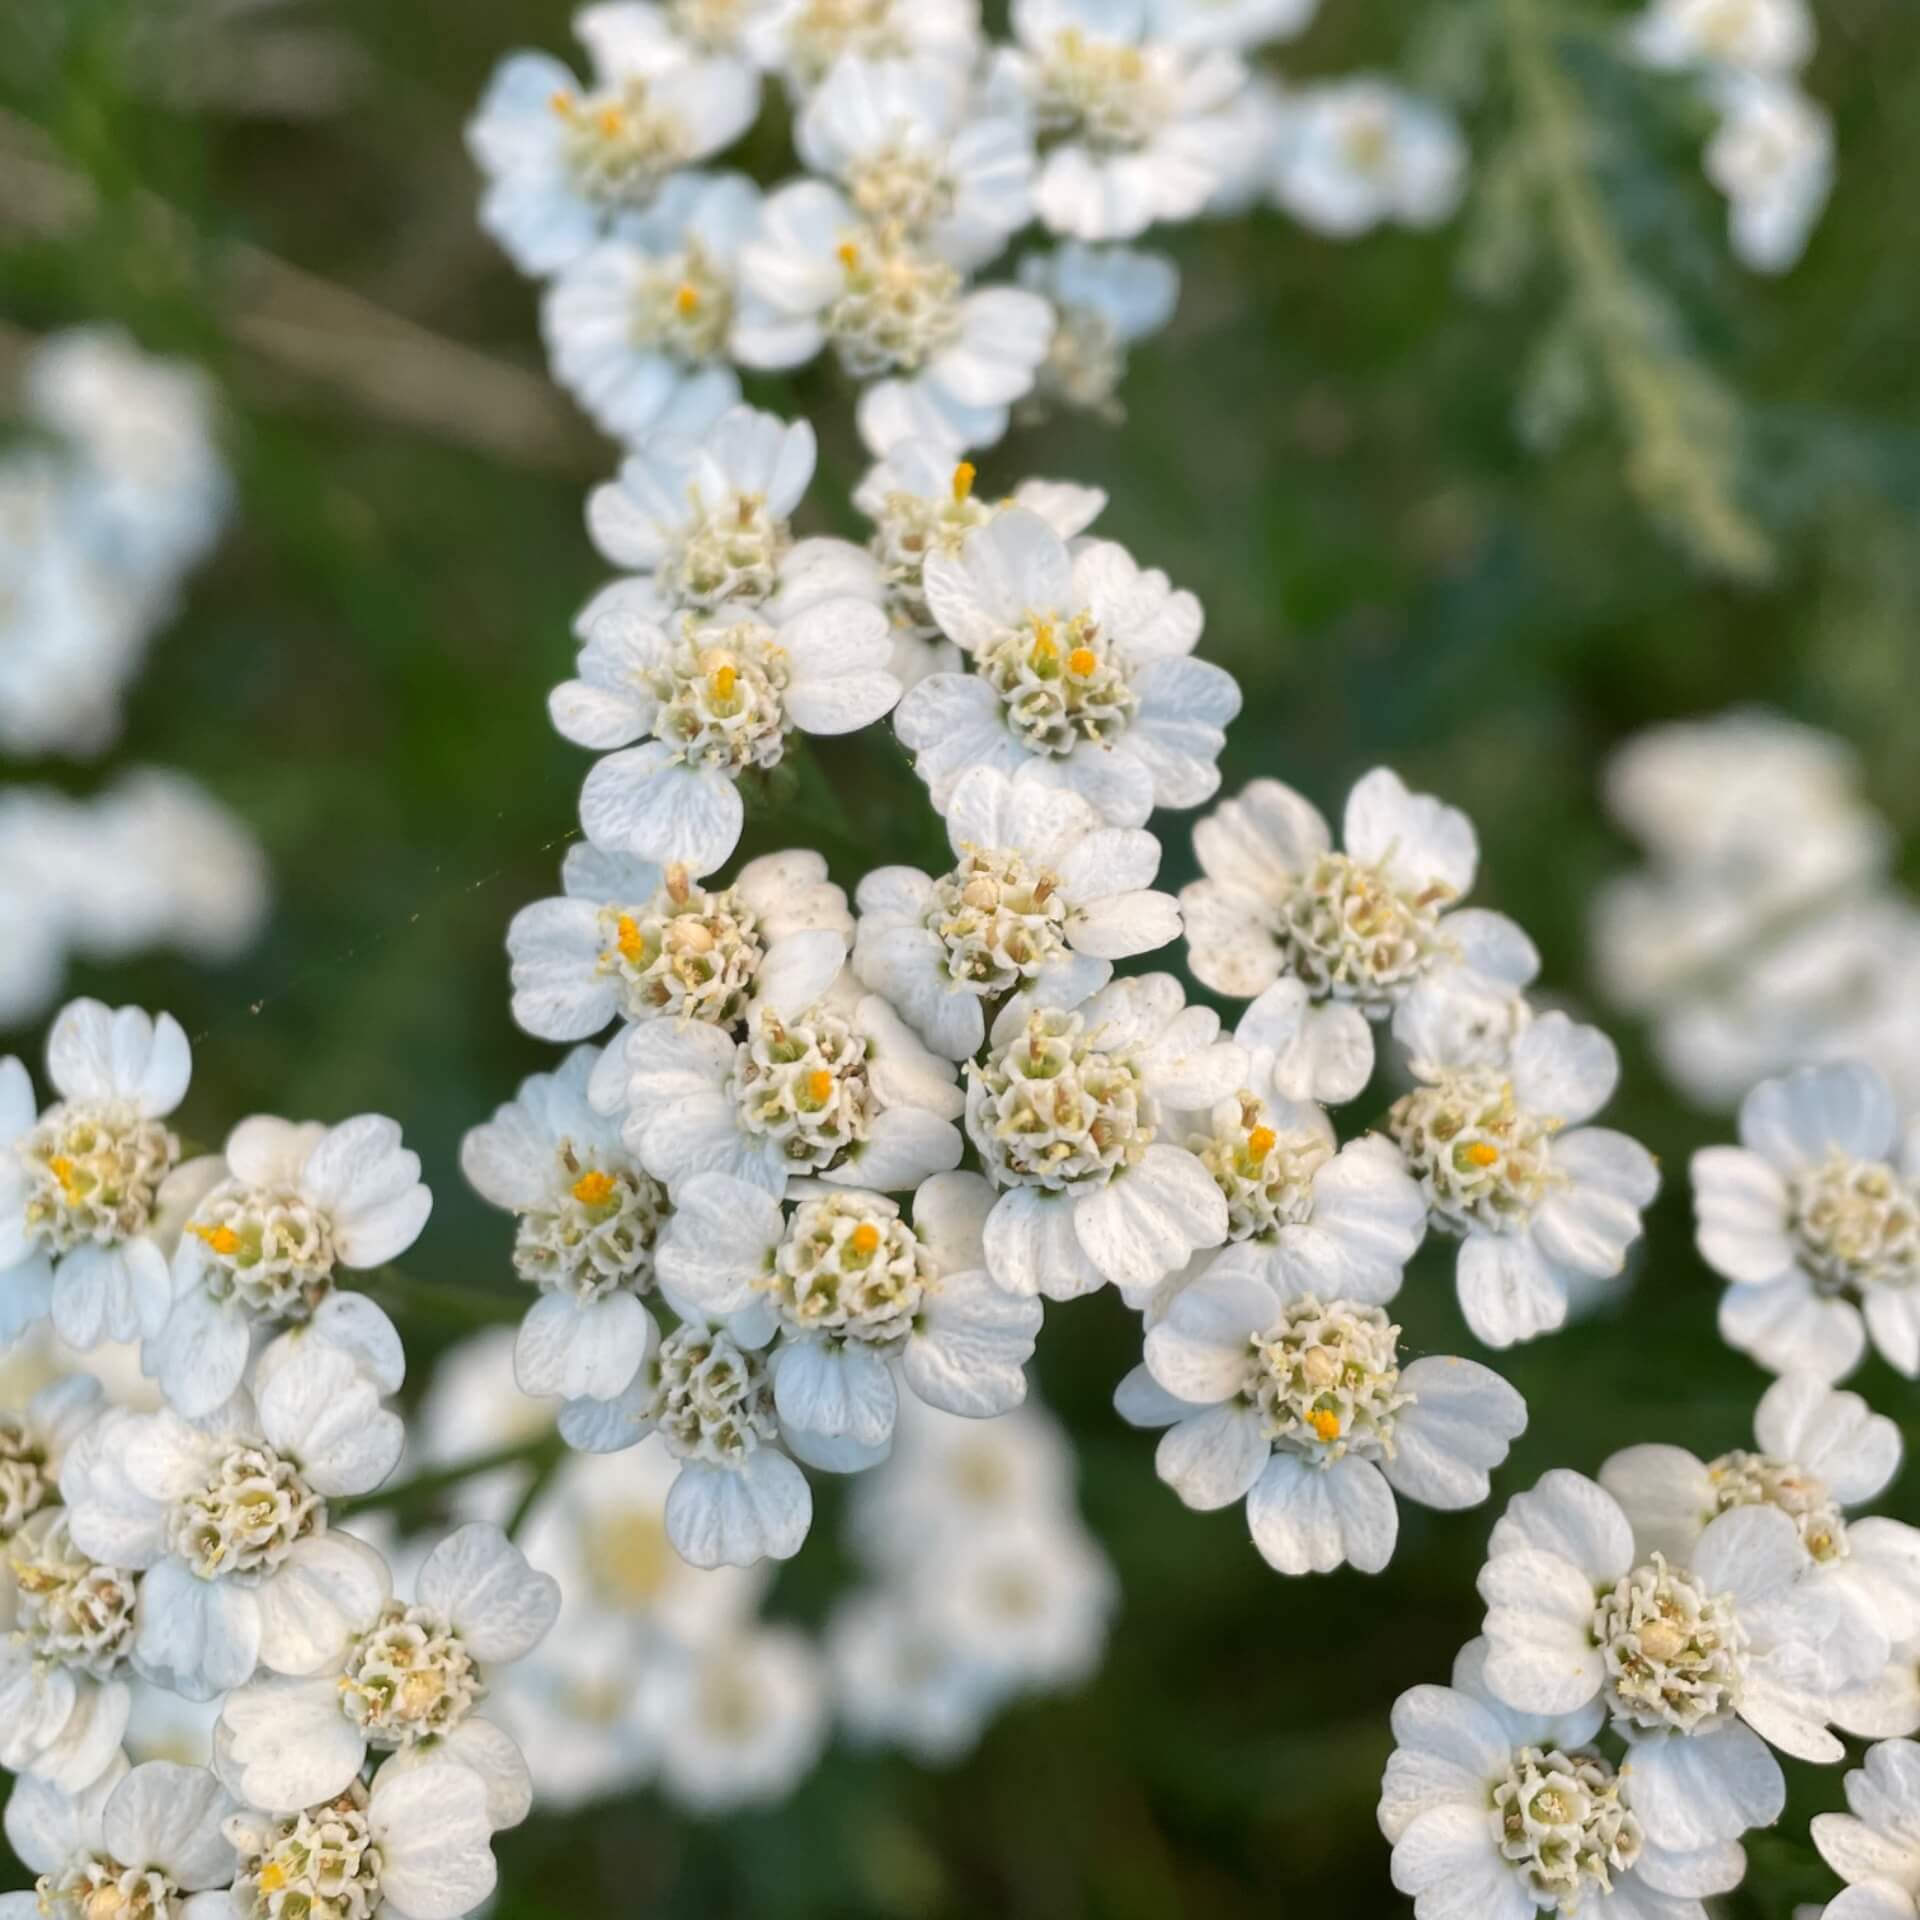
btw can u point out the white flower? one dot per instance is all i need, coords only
(472, 1407)
(1257, 130)
(739, 1723)
(1072, 1115)
(1079, 667)
(565, 164)
(1362, 152)
(803, 39)
(1815, 1218)
(1505, 1814)
(415, 1844)
(825, 1081)
(1819, 1452)
(824, 273)
(1300, 1405)
(226, 1520)
(737, 1497)
(1876, 1847)
(631, 941)
(1129, 117)
(1043, 899)
(82, 1185)
(290, 1206)
(1749, 36)
(1241, 24)
(1773, 159)
(408, 1683)
(853, 1288)
(1105, 301)
(1330, 942)
(33, 1442)
(912, 155)
(1698, 1665)
(897, 1683)
(921, 501)
(587, 1218)
(1544, 1206)
(145, 1840)
(639, 328)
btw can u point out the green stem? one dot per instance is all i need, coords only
(546, 1467)
(543, 1452)
(413, 1298)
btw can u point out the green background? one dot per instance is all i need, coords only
(1323, 447)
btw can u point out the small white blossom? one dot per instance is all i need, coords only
(226, 1519)
(1815, 1219)
(1073, 1114)
(1543, 1205)
(567, 164)
(288, 1207)
(1773, 158)
(1080, 668)
(1876, 1847)
(1129, 116)
(1043, 899)
(1245, 25)
(1505, 1814)
(1746, 36)
(1361, 152)
(33, 1442)
(897, 1683)
(1300, 1405)
(1698, 1665)
(1105, 301)
(587, 1220)
(631, 941)
(147, 1840)
(640, 328)
(407, 1683)
(802, 40)
(855, 1289)
(84, 1186)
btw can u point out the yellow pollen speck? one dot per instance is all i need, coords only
(686, 300)
(1325, 1423)
(1483, 1153)
(819, 1086)
(62, 1170)
(1082, 660)
(273, 1876)
(865, 1237)
(609, 120)
(220, 1239)
(847, 254)
(632, 942)
(593, 1189)
(1261, 1142)
(963, 479)
(561, 101)
(723, 680)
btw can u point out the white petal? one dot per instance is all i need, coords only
(1032, 1248)
(1564, 1069)
(1212, 1459)
(432, 1827)
(1667, 1495)
(1740, 1203)
(721, 1517)
(575, 1349)
(1797, 1121)
(968, 1352)
(330, 1587)
(500, 1607)
(197, 1637)
(288, 1744)
(1306, 1519)
(1697, 1790)
(1463, 1419)
(836, 1389)
(1509, 1291)
(1150, 1219)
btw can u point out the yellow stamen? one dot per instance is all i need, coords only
(686, 300)
(561, 101)
(609, 120)
(631, 941)
(1483, 1153)
(819, 1086)
(222, 1240)
(1082, 661)
(273, 1876)
(1261, 1142)
(62, 1170)
(1325, 1423)
(722, 681)
(848, 255)
(593, 1189)
(677, 883)
(963, 479)
(865, 1238)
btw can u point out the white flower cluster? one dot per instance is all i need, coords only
(1650, 1641)
(189, 1542)
(1772, 151)
(1763, 934)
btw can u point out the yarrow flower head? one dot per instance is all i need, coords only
(1698, 1665)
(85, 1186)
(1300, 1406)
(1074, 1116)
(1514, 1813)
(567, 164)
(225, 1519)
(34, 1440)
(407, 1683)
(588, 1221)
(1875, 1848)
(1043, 898)
(1815, 1220)
(853, 1289)
(288, 1206)
(803, 40)
(1543, 1206)
(1079, 667)
(640, 329)
(1361, 152)
(1105, 301)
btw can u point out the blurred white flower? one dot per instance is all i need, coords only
(1876, 1847)
(1773, 158)
(1105, 301)
(802, 40)
(1362, 152)
(1747, 36)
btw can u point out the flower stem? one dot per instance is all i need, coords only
(414, 1298)
(543, 1452)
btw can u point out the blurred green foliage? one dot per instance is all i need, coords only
(1327, 447)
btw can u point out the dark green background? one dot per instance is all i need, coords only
(1322, 447)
